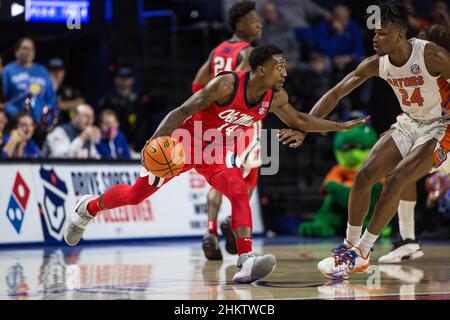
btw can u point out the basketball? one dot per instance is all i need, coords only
(164, 157)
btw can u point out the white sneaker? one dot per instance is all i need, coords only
(343, 262)
(404, 250)
(252, 266)
(77, 222)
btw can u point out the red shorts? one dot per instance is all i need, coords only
(207, 160)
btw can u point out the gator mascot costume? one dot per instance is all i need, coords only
(351, 148)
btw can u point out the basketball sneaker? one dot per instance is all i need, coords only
(211, 247)
(77, 222)
(403, 250)
(252, 266)
(230, 239)
(343, 262)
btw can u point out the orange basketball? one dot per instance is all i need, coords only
(164, 157)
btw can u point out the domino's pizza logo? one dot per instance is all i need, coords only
(415, 69)
(18, 203)
(52, 209)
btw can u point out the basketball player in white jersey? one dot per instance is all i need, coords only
(417, 71)
(408, 248)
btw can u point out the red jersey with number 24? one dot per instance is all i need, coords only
(225, 56)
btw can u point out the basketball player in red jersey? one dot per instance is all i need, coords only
(230, 102)
(418, 72)
(231, 55)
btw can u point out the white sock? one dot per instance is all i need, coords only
(353, 234)
(366, 243)
(406, 219)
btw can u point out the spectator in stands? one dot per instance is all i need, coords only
(309, 82)
(27, 87)
(3, 123)
(20, 144)
(68, 97)
(75, 139)
(439, 15)
(277, 31)
(126, 102)
(113, 144)
(340, 39)
(301, 13)
(2, 96)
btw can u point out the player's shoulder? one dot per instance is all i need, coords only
(432, 50)
(369, 66)
(223, 82)
(372, 62)
(222, 44)
(247, 50)
(435, 58)
(280, 98)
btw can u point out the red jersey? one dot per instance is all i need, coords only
(225, 56)
(238, 113)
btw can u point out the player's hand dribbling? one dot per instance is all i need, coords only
(142, 153)
(292, 136)
(343, 126)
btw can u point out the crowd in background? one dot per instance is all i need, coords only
(43, 116)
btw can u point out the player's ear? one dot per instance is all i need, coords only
(260, 70)
(239, 25)
(401, 33)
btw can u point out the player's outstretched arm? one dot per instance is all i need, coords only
(305, 122)
(217, 89)
(366, 69)
(437, 60)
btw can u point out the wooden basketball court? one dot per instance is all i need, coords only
(177, 270)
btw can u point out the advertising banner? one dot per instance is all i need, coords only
(35, 200)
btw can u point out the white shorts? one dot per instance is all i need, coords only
(408, 134)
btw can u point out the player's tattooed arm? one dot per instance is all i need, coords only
(366, 69)
(305, 122)
(218, 89)
(437, 60)
(243, 59)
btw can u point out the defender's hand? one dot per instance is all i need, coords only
(294, 137)
(344, 126)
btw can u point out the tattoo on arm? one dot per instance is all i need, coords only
(217, 89)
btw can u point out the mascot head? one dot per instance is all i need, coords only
(352, 147)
